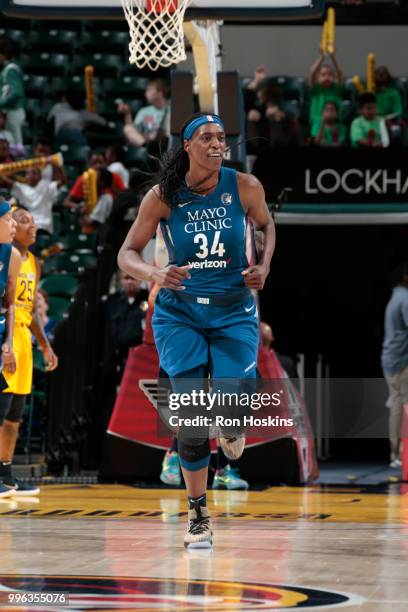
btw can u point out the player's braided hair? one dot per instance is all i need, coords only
(174, 167)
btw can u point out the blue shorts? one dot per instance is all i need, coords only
(190, 335)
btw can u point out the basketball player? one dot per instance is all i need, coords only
(19, 378)
(205, 316)
(10, 261)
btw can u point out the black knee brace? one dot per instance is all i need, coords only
(194, 453)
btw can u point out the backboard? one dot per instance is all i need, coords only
(241, 10)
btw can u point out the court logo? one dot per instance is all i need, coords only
(226, 198)
(172, 594)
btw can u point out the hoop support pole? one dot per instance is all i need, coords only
(205, 41)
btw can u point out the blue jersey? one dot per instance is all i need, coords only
(5, 254)
(208, 232)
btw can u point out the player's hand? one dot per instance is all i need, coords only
(8, 358)
(255, 276)
(171, 277)
(50, 359)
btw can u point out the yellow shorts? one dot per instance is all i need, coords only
(21, 381)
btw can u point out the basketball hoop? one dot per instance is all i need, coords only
(156, 32)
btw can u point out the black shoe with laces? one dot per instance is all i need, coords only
(199, 532)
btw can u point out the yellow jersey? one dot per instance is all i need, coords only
(26, 284)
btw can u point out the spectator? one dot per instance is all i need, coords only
(389, 103)
(270, 121)
(38, 195)
(12, 99)
(325, 85)
(4, 133)
(394, 359)
(42, 312)
(331, 133)
(267, 338)
(43, 149)
(97, 161)
(369, 130)
(103, 206)
(114, 158)
(70, 119)
(151, 122)
(5, 158)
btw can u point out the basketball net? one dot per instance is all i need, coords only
(156, 32)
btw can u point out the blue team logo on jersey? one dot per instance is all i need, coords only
(226, 198)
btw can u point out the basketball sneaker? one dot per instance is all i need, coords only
(229, 478)
(396, 464)
(232, 447)
(5, 491)
(20, 488)
(170, 473)
(199, 531)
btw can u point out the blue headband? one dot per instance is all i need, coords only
(193, 126)
(4, 208)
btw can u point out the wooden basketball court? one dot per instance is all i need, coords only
(112, 547)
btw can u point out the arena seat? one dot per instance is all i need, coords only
(135, 157)
(106, 41)
(45, 64)
(105, 65)
(81, 243)
(58, 307)
(71, 263)
(75, 155)
(57, 41)
(126, 85)
(59, 285)
(35, 86)
(292, 87)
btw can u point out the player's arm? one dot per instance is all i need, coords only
(9, 362)
(130, 259)
(252, 196)
(37, 328)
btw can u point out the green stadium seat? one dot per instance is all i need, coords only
(126, 86)
(72, 173)
(104, 65)
(45, 64)
(80, 243)
(58, 307)
(59, 41)
(56, 221)
(75, 155)
(71, 263)
(106, 41)
(60, 284)
(348, 111)
(35, 86)
(135, 157)
(43, 241)
(292, 107)
(293, 88)
(17, 36)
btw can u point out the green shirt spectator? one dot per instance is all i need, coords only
(330, 132)
(389, 102)
(369, 130)
(11, 87)
(319, 96)
(332, 135)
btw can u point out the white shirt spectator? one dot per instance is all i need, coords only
(47, 172)
(119, 168)
(39, 200)
(103, 208)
